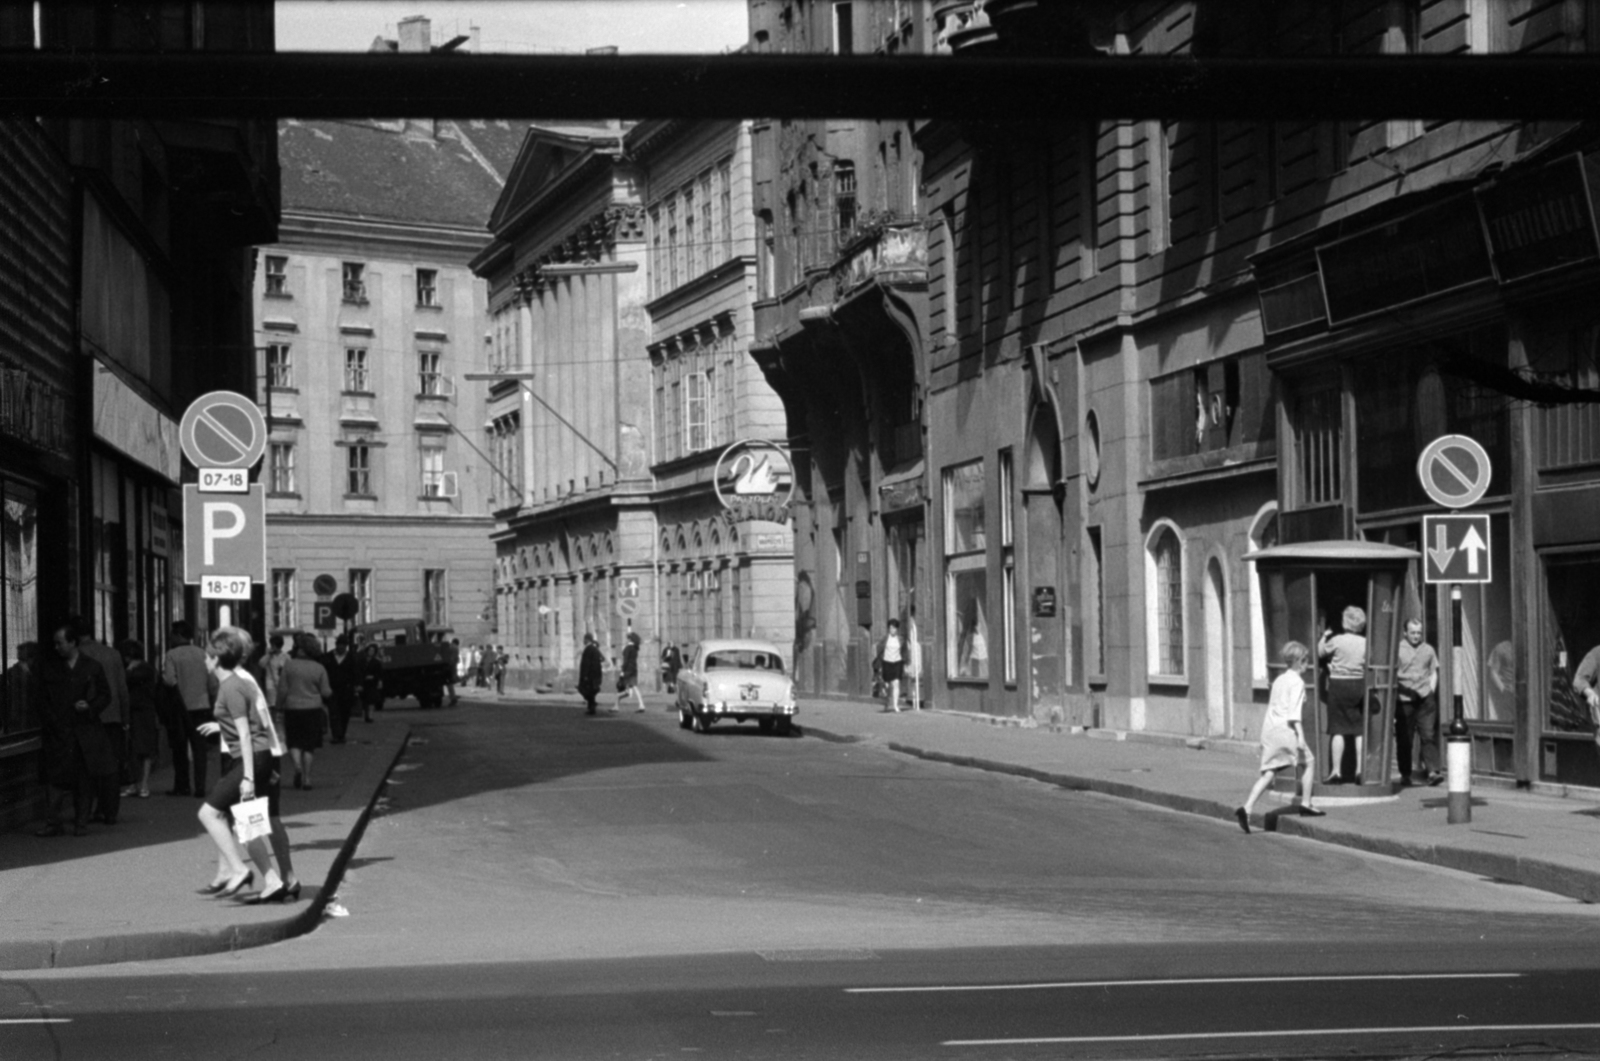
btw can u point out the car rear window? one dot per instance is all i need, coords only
(743, 659)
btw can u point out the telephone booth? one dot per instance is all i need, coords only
(1305, 589)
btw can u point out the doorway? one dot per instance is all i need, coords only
(1219, 710)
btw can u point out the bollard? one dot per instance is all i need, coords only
(1458, 764)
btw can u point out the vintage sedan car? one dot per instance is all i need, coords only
(738, 679)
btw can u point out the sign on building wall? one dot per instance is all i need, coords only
(754, 480)
(1539, 220)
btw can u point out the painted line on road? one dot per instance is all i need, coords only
(1435, 1029)
(1180, 983)
(36, 1020)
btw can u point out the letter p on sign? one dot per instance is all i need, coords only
(224, 536)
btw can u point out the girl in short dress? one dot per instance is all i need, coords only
(1283, 742)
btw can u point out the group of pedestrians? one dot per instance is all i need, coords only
(483, 666)
(1344, 654)
(591, 674)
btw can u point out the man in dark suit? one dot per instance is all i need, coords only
(344, 674)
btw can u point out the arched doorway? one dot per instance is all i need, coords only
(1048, 655)
(1219, 709)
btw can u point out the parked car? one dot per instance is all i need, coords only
(414, 662)
(738, 679)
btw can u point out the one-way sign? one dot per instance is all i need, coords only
(1455, 548)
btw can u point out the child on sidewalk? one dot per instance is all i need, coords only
(1283, 743)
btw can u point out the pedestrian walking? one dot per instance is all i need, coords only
(486, 655)
(278, 842)
(246, 739)
(277, 659)
(304, 696)
(452, 664)
(190, 687)
(1346, 654)
(591, 665)
(628, 675)
(891, 660)
(72, 692)
(371, 681)
(671, 664)
(144, 737)
(344, 674)
(115, 718)
(1416, 716)
(1283, 741)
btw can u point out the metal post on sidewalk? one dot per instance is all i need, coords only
(1458, 744)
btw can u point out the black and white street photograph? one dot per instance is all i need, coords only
(799, 530)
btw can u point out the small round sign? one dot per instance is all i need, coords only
(325, 585)
(1455, 471)
(627, 607)
(345, 606)
(223, 430)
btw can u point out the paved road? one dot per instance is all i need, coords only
(542, 884)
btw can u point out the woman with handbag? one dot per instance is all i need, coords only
(249, 740)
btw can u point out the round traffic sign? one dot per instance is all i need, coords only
(223, 430)
(345, 606)
(1455, 471)
(324, 585)
(627, 607)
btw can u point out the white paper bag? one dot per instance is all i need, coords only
(250, 820)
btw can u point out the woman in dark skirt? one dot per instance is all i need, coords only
(144, 733)
(1346, 655)
(304, 694)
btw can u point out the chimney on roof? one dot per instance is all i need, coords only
(472, 40)
(416, 34)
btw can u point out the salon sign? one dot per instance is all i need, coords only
(754, 480)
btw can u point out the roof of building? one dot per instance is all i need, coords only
(442, 172)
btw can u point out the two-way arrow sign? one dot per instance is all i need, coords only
(1456, 548)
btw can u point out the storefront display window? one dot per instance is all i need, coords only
(1572, 632)
(19, 605)
(966, 574)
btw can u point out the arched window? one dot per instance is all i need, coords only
(1164, 601)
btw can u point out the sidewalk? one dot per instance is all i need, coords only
(1546, 839)
(126, 892)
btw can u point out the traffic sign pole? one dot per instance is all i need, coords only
(1458, 744)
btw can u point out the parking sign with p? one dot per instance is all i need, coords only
(225, 516)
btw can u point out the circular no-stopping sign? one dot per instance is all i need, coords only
(325, 585)
(1455, 471)
(223, 430)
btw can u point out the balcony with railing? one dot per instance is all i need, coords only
(890, 250)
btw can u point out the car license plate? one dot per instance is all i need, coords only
(749, 692)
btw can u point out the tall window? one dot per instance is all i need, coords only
(725, 219)
(19, 603)
(693, 250)
(358, 469)
(1008, 572)
(672, 245)
(1097, 581)
(435, 601)
(281, 462)
(427, 287)
(1164, 571)
(355, 369)
(277, 269)
(1316, 419)
(361, 590)
(966, 573)
(844, 198)
(843, 29)
(280, 365)
(355, 282)
(434, 476)
(658, 261)
(708, 246)
(695, 412)
(428, 378)
(285, 613)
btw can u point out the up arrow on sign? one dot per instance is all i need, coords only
(1460, 551)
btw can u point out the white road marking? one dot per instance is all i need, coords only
(1286, 1033)
(1178, 983)
(35, 1020)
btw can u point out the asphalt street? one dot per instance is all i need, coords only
(542, 884)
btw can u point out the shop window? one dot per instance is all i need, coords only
(19, 607)
(355, 370)
(966, 573)
(428, 288)
(1405, 403)
(1572, 633)
(280, 462)
(435, 598)
(280, 365)
(277, 276)
(1164, 602)
(285, 609)
(358, 469)
(360, 582)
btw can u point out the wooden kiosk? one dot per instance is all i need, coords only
(1305, 589)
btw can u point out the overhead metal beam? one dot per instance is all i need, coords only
(970, 88)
